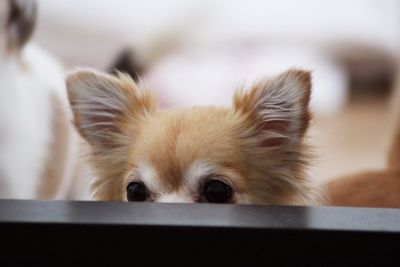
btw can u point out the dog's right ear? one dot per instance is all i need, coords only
(106, 107)
(276, 110)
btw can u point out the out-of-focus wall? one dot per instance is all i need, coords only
(92, 31)
(213, 46)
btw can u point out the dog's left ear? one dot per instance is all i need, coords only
(275, 111)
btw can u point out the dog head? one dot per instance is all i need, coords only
(253, 152)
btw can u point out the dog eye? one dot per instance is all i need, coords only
(216, 191)
(137, 191)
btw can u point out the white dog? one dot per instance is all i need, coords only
(38, 148)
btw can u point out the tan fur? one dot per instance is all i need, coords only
(236, 140)
(372, 188)
(394, 154)
(369, 189)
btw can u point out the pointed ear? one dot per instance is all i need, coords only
(105, 106)
(20, 22)
(275, 111)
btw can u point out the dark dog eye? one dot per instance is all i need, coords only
(137, 191)
(216, 191)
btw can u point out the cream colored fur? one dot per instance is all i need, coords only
(257, 146)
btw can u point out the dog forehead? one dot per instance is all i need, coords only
(184, 132)
(175, 141)
(151, 177)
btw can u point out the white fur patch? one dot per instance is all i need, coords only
(197, 170)
(175, 197)
(147, 174)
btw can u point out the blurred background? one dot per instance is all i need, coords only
(199, 52)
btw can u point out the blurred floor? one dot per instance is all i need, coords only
(356, 139)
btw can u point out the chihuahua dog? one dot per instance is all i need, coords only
(253, 152)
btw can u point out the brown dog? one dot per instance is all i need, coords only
(371, 188)
(253, 152)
